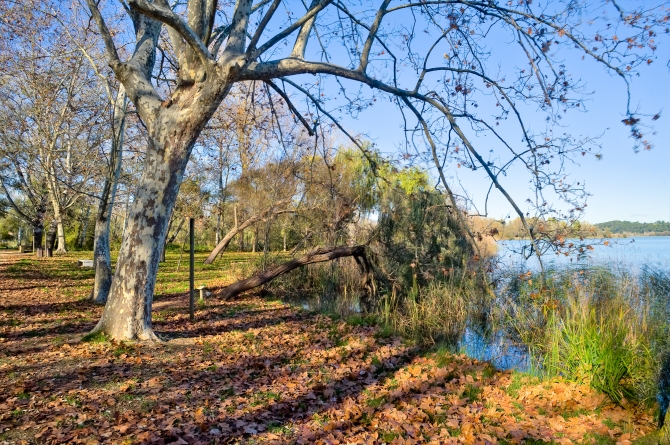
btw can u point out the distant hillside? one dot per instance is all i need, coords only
(620, 227)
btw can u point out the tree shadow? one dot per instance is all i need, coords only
(244, 396)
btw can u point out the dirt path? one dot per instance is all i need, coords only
(258, 371)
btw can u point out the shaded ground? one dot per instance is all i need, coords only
(258, 371)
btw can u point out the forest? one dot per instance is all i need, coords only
(199, 244)
(658, 228)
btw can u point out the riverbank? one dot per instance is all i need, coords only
(259, 371)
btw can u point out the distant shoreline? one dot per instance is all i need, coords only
(613, 236)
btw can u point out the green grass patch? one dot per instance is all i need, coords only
(95, 337)
(376, 402)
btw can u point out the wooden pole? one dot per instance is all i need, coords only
(191, 275)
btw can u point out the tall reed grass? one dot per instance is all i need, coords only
(606, 326)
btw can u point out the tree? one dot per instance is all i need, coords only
(383, 47)
(53, 111)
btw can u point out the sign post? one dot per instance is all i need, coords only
(191, 277)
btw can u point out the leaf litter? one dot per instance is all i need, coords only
(259, 371)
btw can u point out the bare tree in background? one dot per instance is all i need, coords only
(429, 58)
(52, 112)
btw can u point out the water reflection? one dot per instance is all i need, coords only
(497, 348)
(629, 252)
(476, 341)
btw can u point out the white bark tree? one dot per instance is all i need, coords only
(383, 46)
(48, 88)
(102, 260)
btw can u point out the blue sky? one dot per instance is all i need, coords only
(624, 184)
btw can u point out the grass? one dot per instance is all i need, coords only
(604, 327)
(95, 337)
(263, 398)
(228, 267)
(472, 392)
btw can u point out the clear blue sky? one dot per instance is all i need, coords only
(624, 185)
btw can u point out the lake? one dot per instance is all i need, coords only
(630, 253)
(633, 252)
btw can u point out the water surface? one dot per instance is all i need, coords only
(633, 252)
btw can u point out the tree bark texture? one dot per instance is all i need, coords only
(38, 233)
(172, 134)
(84, 229)
(127, 314)
(102, 261)
(51, 239)
(60, 229)
(319, 255)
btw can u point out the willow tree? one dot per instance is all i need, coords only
(432, 59)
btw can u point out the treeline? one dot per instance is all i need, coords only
(513, 228)
(658, 228)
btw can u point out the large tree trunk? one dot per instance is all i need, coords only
(102, 260)
(172, 135)
(60, 229)
(38, 233)
(127, 314)
(57, 223)
(239, 229)
(84, 228)
(315, 256)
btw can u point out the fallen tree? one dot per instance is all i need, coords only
(319, 255)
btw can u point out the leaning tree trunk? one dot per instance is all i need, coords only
(240, 229)
(102, 261)
(315, 256)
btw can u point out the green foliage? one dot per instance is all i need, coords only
(657, 228)
(472, 392)
(95, 337)
(603, 327)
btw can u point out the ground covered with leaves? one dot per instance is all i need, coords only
(259, 371)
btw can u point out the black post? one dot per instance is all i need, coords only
(191, 277)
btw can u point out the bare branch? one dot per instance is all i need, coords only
(365, 55)
(211, 16)
(291, 106)
(104, 31)
(238, 29)
(261, 27)
(289, 30)
(167, 16)
(303, 36)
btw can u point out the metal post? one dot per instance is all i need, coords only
(191, 275)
